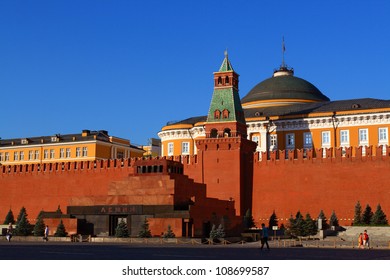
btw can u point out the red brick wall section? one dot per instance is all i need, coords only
(315, 184)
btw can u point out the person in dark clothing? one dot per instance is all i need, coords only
(264, 236)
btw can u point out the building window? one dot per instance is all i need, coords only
(325, 138)
(383, 135)
(120, 154)
(52, 153)
(170, 149)
(344, 138)
(78, 152)
(68, 152)
(30, 155)
(22, 155)
(217, 114)
(1, 157)
(256, 139)
(185, 148)
(6, 156)
(290, 141)
(273, 142)
(16, 156)
(85, 151)
(46, 154)
(62, 153)
(307, 140)
(363, 137)
(225, 114)
(36, 154)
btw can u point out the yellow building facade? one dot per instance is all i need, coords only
(285, 112)
(85, 146)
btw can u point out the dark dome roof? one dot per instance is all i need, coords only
(283, 85)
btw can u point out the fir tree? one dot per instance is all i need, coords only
(379, 217)
(333, 221)
(324, 220)
(22, 227)
(367, 215)
(145, 231)
(220, 231)
(309, 226)
(357, 219)
(169, 233)
(273, 220)
(297, 225)
(39, 227)
(248, 219)
(60, 232)
(213, 232)
(9, 218)
(122, 230)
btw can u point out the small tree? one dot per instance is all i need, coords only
(357, 219)
(324, 220)
(39, 227)
(169, 233)
(145, 231)
(23, 227)
(379, 218)
(60, 232)
(333, 221)
(121, 229)
(309, 226)
(9, 218)
(220, 231)
(248, 219)
(273, 220)
(367, 215)
(296, 225)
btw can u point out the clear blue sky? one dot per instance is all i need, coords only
(131, 66)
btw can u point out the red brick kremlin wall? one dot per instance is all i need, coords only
(48, 186)
(307, 184)
(313, 184)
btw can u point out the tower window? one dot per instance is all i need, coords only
(226, 132)
(225, 114)
(213, 133)
(227, 81)
(217, 114)
(219, 81)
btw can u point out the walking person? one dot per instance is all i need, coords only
(9, 232)
(360, 241)
(46, 234)
(366, 239)
(264, 236)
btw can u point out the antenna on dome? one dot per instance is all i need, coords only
(226, 53)
(283, 50)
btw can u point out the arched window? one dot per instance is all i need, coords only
(225, 113)
(219, 81)
(217, 114)
(226, 132)
(227, 80)
(213, 133)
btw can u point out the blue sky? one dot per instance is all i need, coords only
(129, 67)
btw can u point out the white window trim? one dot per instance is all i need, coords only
(183, 152)
(325, 144)
(170, 149)
(344, 143)
(366, 141)
(290, 137)
(305, 136)
(383, 141)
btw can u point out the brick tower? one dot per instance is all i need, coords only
(225, 153)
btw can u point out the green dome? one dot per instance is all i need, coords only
(281, 88)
